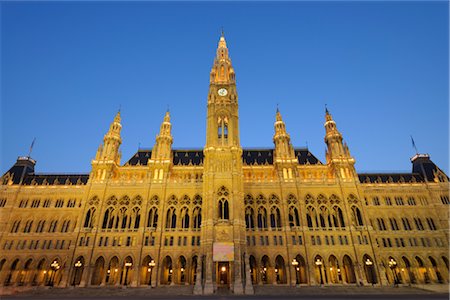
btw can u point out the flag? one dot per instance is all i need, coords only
(31, 147)
(414, 144)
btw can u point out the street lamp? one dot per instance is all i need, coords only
(151, 265)
(319, 264)
(392, 265)
(295, 265)
(77, 265)
(55, 267)
(127, 267)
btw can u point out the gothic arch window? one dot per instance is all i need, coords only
(222, 127)
(294, 219)
(152, 220)
(223, 209)
(275, 217)
(185, 217)
(339, 217)
(262, 218)
(123, 217)
(89, 219)
(311, 217)
(223, 206)
(110, 219)
(171, 218)
(197, 218)
(323, 216)
(136, 216)
(249, 218)
(358, 220)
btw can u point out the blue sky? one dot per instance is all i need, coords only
(381, 67)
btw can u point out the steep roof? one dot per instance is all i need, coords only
(195, 157)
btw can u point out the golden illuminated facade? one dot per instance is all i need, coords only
(223, 216)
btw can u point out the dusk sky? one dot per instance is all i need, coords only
(381, 68)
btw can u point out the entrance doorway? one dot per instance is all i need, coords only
(223, 273)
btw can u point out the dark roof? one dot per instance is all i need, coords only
(195, 157)
(54, 179)
(389, 177)
(423, 165)
(22, 172)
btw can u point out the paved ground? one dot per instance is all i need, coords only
(261, 292)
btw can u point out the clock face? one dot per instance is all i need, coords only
(222, 92)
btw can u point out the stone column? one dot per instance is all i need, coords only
(238, 287)
(134, 276)
(85, 278)
(209, 266)
(248, 278)
(198, 290)
(65, 277)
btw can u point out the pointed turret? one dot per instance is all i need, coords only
(162, 150)
(108, 154)
(337, 154)
(284, 152)
(109, 150)
(222, 71)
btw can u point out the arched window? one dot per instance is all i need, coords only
(88, 221)
(294, 219)
(340, 217)
(223, 206)
(357, 216)
(249, 218)
(171, 219)
(311, 217)
(123, 217)
(152, 217)
(275, 217)
(223, 209)
(136, 217)
(197, 218)
(262, 218)
(185, 218)
(108, 218)
(323, 216)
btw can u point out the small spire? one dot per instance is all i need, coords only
(222, 33)
(117, 117)
(326, 108)
(278, 115)
(167, 116)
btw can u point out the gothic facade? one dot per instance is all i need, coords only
(224, 216)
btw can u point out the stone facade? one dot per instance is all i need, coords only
(223, 216)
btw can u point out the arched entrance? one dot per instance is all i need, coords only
(112, 274)
(98, 272)
(148, 264)
(335, 270)
(411, 276)
(78, 269)
(265, 265)
(349, 270)
(435, 269)
(40, 277)
(182, 269)
(25, 273)
(253, 269)
(10, 278)
(194, 266)
(127, 271)
(320, 270)
(280, 270)
(422, 270)
(301, 269)
(166, 271)
(369, 269)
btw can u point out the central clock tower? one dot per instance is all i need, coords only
(223, 239)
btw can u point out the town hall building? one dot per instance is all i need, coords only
(224, 217)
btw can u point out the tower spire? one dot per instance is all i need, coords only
(222, 71)
(284, 152)
(162, 149)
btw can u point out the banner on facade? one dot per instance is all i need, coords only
(223, 251)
